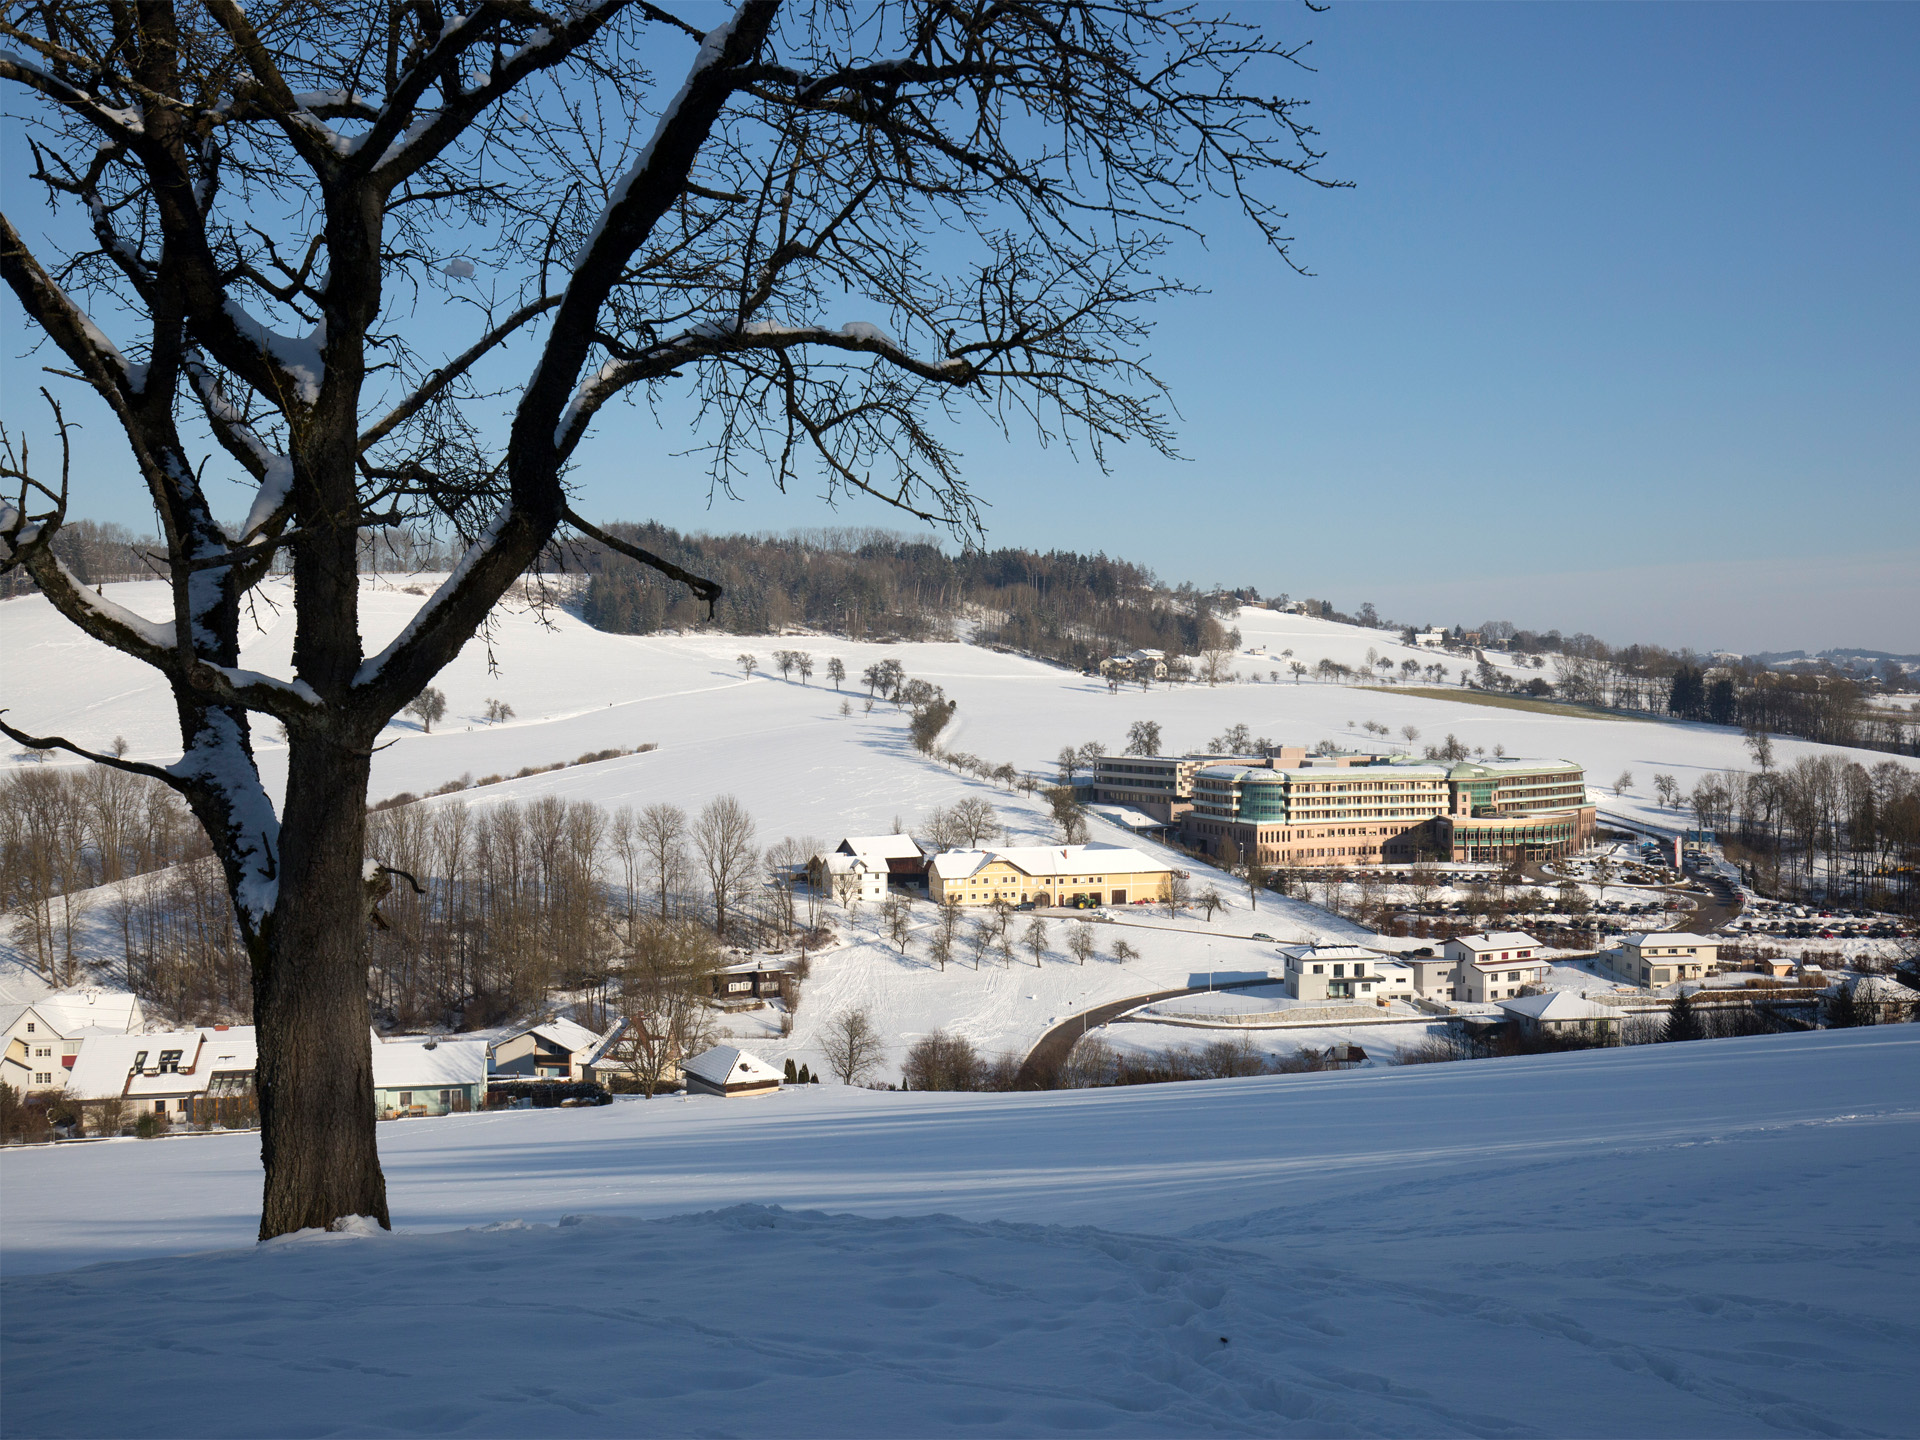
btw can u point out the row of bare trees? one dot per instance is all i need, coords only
(1823, 825)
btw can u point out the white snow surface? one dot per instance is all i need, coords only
(1688, 1240)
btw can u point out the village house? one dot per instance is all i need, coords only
(428, 1075)
(1666, 957)
(1432, 975)
(725, 1070)
(1561, 1013)
(903, 857)
(180, 1074)
(1494, 967)
(850, 878)
(1049, 875)
(1332, 972)
(750, 980)
(44, 1036)
(551, 1050)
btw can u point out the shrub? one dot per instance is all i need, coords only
(149, 1124)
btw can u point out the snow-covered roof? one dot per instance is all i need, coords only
(104, 1067)
(1126, 815)
(66, 1012)
(840, 863)
(1668, 937)
(725, 1065)
(424, 1061)
(884, 847)
(1882, 991)
(1329, 952)
(569, 1035)
(1050, 860)
(1560, 1005)
(1499, 940)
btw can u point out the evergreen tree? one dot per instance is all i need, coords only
(1683, 1020)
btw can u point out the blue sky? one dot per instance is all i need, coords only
(1618, 331)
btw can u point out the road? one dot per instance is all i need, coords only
(1050, 1052)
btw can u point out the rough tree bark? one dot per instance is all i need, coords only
(264, 192)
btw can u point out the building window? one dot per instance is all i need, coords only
(169, 1062)
(29, 1027)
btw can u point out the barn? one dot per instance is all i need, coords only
(724, 1070)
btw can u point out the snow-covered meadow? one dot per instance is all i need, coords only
(782, 746)
(1685, 1240)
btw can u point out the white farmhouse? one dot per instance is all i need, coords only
(166, 1072)
(44, 1037)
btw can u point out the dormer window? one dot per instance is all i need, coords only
(140, 1060)
(170, 1062)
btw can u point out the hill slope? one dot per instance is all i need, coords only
(1705, 1239)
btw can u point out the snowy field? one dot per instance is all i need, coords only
(1686, 1240)
(783, 747)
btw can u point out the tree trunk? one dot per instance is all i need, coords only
(315, 1075)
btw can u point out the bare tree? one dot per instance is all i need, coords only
(747, 663)
(852, 1046)
(973, 821)
(896, 915)
(661, 832)
(1216, 665)
(498, 712)
(1623, 782)
(1080, 942)
(1143, 737)
(1124, 951)
(1179, 894)
(663, 1004)
(836, 672)
(1069, 814)
(723, 838)
(265, 193)
(1035, 939)
(1210, 900)
(428, 706)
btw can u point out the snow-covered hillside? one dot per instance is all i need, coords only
(1675, 1240)
(783, 747)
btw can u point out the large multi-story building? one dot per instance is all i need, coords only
(1356, 811)
(1162, 785)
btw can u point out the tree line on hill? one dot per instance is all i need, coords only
(871, 585)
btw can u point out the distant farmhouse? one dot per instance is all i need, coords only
(1049, 875)
(44, 1038)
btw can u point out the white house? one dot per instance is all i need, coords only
(725, 1070)
(551, 1050)
(1333, 972)
(428, 1075)
(1495, 966)
(167, 1072)
(44, 1036)
(1666, 957)
(854, 879)
(1431, 639)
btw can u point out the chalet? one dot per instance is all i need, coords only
(752, 980)
(44, 1036)
(727, 1071)
(551, 1050)
(428, 1075)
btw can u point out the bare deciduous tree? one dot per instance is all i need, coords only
(852, 1046)
(428, 706)
(1080, 942)
(661, 830)
(723, 838)
(663, 1004)
(620, 201)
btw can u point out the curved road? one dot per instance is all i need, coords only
(1052, 1049)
